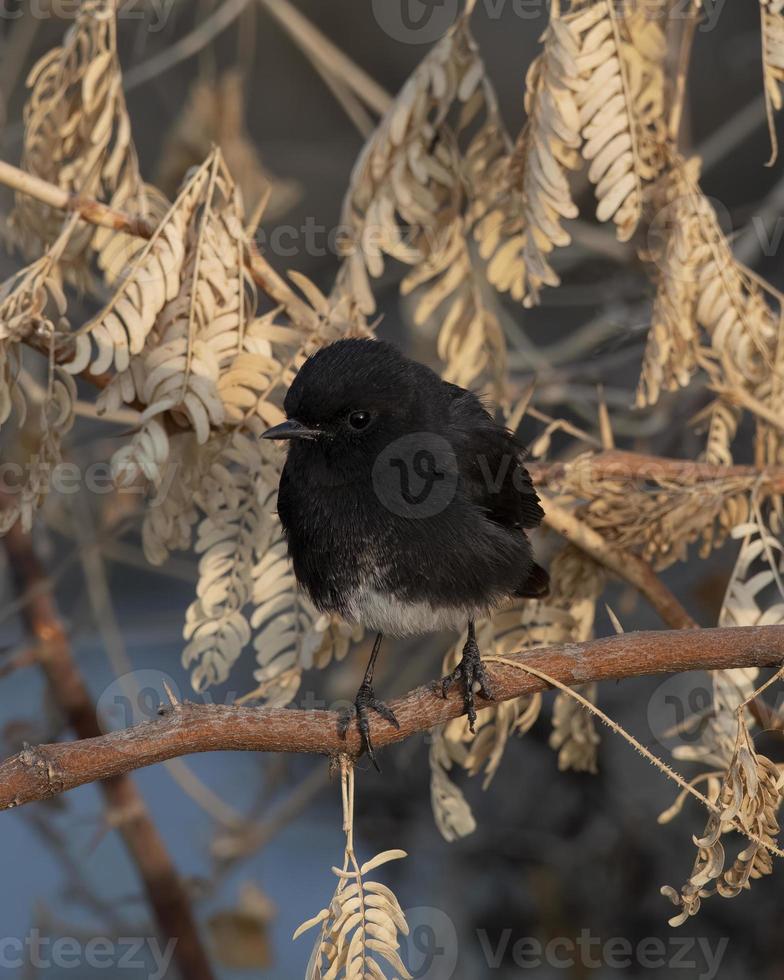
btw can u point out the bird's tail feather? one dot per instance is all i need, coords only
(536, 586)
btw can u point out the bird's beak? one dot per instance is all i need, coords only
(291, 429)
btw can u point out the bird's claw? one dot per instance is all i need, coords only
(469, 672)
(365, 702)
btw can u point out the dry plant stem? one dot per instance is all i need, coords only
(184, 728)
(684, 58)
(203, 34)
(90, 210)
(318, 47)
(623, 563)
(165, 890)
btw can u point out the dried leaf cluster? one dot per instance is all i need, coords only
(359, 929)
(78, 136)
(745, 786)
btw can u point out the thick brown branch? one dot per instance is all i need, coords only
(637, 468)
(165, 889)
(41, 772)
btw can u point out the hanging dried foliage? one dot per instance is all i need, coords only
(359, 928)
(749, 799)
(78, 136)
(772, 29)
(525, 195)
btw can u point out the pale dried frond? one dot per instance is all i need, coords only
(171, 512)
(520, 625)
(405, 188)
(522, 196)
(238, 498)
(200, 330)
(246, 584)
(11, 399)
(576, 583)
(359, 929)
(703, 290)
(574, 735)
(607, 117)
(285, 623)
(407, 200)
(49, 424)
(658, 517)
(662, 520)
(566, 615)
(337, 639)
(723, 421)
(145, 456)
(471, 342)
(749, 799)
(671, 354)
(119, 331)
(750, 794)
(32, 302)
(78, 136)
(33, 305)
(772, 27)
(643, 37)
(451, 811)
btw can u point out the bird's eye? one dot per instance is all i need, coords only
(359, 420)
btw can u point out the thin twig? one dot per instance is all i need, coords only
(628, 566)
(319, 48)
(223, 16)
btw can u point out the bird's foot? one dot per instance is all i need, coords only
(365, 702)
(469, 672)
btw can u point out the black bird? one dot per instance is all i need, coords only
(404, 504)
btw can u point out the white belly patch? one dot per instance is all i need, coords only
(383, 613)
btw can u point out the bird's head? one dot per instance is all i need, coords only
(351, 399)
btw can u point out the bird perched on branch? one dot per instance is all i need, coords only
(405, 505)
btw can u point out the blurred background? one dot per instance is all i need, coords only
(554, 854)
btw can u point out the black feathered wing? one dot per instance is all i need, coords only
(491, 466)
